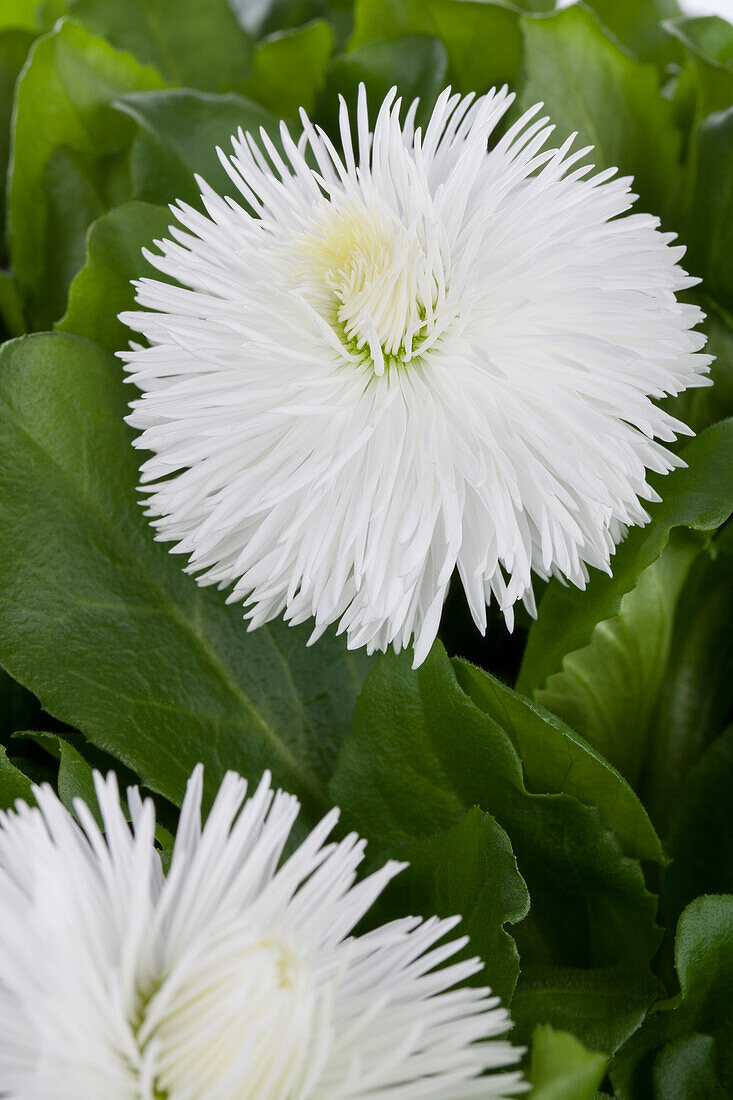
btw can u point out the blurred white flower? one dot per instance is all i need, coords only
(233, 975)
(420, 354)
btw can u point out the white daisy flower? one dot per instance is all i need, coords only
(407, 355)
(235, 974)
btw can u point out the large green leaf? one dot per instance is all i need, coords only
(704, 960)
(482, 39)
(556, 761)
(469, 869)
(289, 68)
(417, 65)
(637, 25)
(601, 1007)
(589, 84)
(698, 496)
(102, 289)
(707, 45)
(422, 754)
(99, 621)
(179, 133)
(196, 43)
(561, 1068)
(63, 101)
(608, 691)
(701, 836)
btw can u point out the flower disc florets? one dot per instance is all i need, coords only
(233, 976)
(410, 355)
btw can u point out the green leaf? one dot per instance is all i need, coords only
(589, 84)
(14, 47)
(556, 760)
(422, 753)
(707, 44)
(608, 691)
(698, 496)
(417, 65)
(561, 1067)
(600, 1007)
(13, 784)
(20, 14)
(114, 256)
(101, 623)
(685, 1070)
(63, 100)
(197, 43)
(701, 836)
(482, 39)
(179, 133)
(704, 961)
(709, 239)
(289, 68)
(263, 17)
(696, 698)
(470, 870)
(637, 24)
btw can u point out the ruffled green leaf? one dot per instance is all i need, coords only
(66, 137)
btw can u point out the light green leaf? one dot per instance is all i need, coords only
(21, 14)
(114, 256)
(637, 25)
(707, 45)
(416, 65)
(179, 132)
(196, 43)
(289, 68)
(422, 754)
(101, 623)
(608, 691)
(590, 84)
(63, 100)
(557, 761)
(482, 39)
(698, 496)
(561, 1067)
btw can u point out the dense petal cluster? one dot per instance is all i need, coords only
(233, 975)
(419, 352)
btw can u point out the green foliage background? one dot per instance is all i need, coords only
(568, 789)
